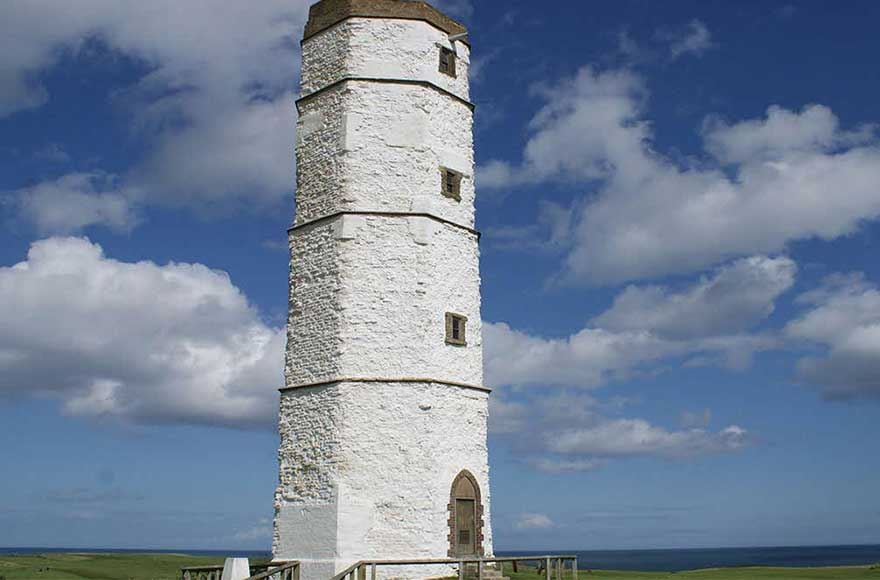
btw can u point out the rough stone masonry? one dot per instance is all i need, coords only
(383, 416)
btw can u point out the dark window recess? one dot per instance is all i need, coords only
(456, 329)
(450, 184)
(447, 61)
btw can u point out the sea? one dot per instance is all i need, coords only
(646, 560)
(679, 560)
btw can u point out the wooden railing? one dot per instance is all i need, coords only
(552, 566)
(279, 571)
(287, 570)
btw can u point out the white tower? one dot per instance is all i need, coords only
(383, 416)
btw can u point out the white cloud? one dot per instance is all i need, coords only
(215, 107)
(781, 133)
(577, 131)
(75, 201)
(738, 296)
(626, 437)
(844, 318)
(797, 177)
(646, 326)
(533, 522)
(694, 39)
(645, 331)
(137, 342)
(588, 358)
(564, 433)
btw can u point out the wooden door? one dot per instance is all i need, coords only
(466, 527)
(465, 517)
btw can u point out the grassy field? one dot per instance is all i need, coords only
(167, 567)
(73, 566)
(847, 573)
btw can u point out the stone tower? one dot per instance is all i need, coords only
(384, 414)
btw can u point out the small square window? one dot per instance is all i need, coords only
(450, 185)
(456, 329)
(447, 61)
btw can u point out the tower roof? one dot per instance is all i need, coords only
(326, 13)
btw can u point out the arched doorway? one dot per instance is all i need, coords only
(465, 517)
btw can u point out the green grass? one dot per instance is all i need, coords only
(842, 573)
(72, 566)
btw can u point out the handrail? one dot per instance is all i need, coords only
(214, 571)
(552, 563)
(289, 570)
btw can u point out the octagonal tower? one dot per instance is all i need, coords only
(384, 415)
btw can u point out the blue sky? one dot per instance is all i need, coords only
(679, 204)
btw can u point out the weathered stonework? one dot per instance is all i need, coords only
(379, 413)
(382, 49)
(366, 472)
(327, 13)
(379, 147)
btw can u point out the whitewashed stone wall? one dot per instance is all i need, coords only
(400, 277)
(366, 465)
(377, 482)
(314, 317)
(369, 295)
(306, 500)
(379, 147)
(382, 48)
(320, 185)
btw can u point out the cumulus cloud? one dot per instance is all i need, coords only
(735, 298)
(566, 429)
(780, 133)
(638, 437)
(137, 342)
(587, 358)
(215, 106)
(572, 433)
(577, 132)
(708, 319)
(75, 201)
(791, 176)
(843, 318)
